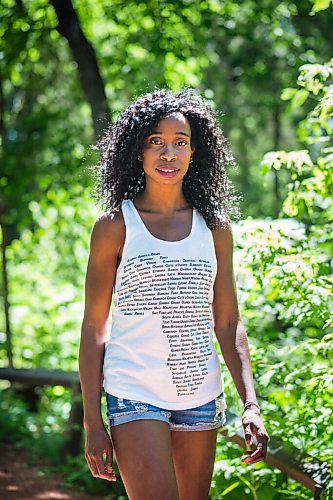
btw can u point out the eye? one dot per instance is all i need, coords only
(154, 140)
(184, 143)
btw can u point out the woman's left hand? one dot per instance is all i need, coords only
(253, 426)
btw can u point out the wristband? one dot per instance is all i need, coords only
(250, 403)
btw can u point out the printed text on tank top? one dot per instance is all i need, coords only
(160, 349)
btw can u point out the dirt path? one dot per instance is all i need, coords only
(20, 481)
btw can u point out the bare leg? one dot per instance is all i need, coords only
(143, 453)
(193, 457)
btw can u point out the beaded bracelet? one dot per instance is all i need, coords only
(250, 403)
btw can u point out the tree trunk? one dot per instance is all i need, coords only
(4, 242)
(85, 57)
(73, 433)
(9, 347)
(276, 147)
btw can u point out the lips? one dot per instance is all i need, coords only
(166, 171)
(166, 168)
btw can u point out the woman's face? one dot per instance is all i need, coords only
(167, 151)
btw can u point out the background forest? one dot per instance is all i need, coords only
(69, 67)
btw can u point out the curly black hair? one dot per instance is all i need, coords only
(119, 174)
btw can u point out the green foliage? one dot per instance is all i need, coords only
(285, 283)
(45, 124)
(46, 270)
(240, 56)
(41, 433)
(77, 474)
(289, 314)
(234, 480)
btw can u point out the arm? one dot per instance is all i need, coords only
(233, 342)
(100, 276)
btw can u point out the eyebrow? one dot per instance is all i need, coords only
(179, 132)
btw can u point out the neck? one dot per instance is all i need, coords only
(162, 199)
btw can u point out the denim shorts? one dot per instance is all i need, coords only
(208, 416)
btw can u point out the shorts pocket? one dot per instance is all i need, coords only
(117, 405)
(139, 406)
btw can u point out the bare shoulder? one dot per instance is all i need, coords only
(108, 232)
(105, 247)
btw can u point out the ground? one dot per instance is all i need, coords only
(20, 481)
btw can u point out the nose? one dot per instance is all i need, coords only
(168, 153)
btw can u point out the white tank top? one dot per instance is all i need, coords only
(161, 348)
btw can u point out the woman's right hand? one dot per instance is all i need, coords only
(98, 444)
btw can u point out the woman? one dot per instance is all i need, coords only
(164, 248)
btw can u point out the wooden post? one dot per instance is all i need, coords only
(73, 432)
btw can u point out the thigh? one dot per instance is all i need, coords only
(143, 452)
(193, 455)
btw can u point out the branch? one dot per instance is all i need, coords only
(85, 57)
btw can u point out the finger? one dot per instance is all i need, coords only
(251, 459)
(254, 456)
(248, 435)
(92, 466)
(252, 453)
(102, 470)
(256, 451)
(265, 445)
(262, 439)
(100, 466)
(109, 461)
(254, 461)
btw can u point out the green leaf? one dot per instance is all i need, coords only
(299, 98)
(265, 492)
(230, 488)
(320, 5)
(288, 93)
